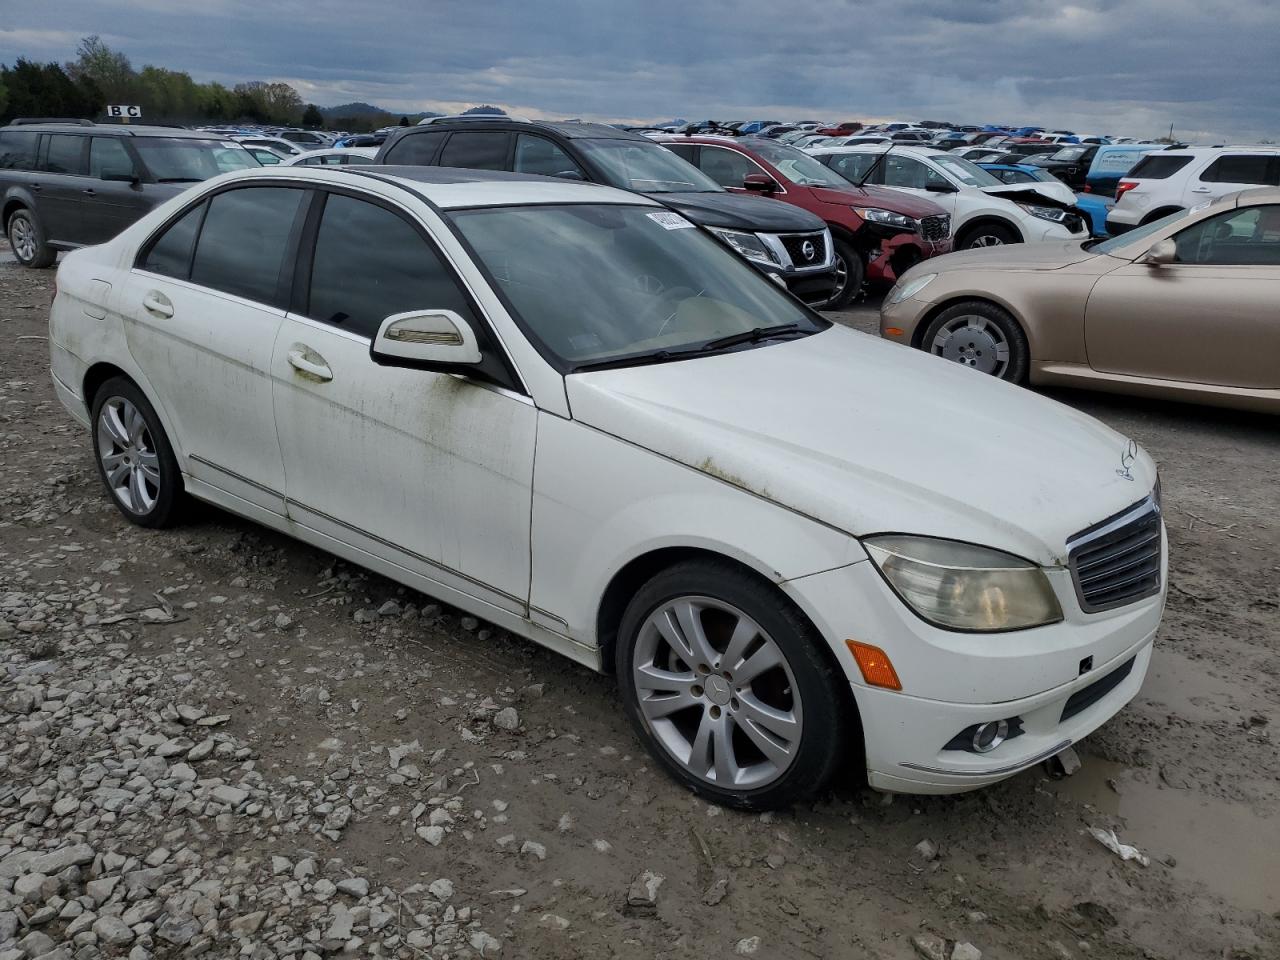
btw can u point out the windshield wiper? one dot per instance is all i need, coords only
(637, 360)
(751, 336)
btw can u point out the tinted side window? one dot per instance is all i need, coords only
(1154, 166)
(243, 242)
(17, 150)
(1239, 168)
(170, 253)
(108, 155)
(416, 149)
(476, 149)
(370, 263)
(851, 166)
(725, 167)
(539, 155)
(1247, 237)
(64, 153)
(682, 150)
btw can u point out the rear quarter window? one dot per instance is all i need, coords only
(17, 150)
(1158, 167)
(1241, 168)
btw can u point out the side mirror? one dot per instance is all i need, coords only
(425, 340)
(119, 175)
(1161, 253)
(935, 187)
(760, 182)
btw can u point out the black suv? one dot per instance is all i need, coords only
(71, 184)
(769, 234)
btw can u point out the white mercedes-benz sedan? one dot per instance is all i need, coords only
(567, 410)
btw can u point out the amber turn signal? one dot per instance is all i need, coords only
(875, 666)
(893, 331)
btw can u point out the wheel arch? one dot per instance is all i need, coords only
(12, 204)
(987, 220)
(917, 336)
(101, 371)
(1160, 212)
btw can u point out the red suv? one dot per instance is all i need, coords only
(878, 233)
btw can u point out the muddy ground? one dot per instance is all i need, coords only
(286, 641)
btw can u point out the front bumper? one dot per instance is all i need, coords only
(898, 254)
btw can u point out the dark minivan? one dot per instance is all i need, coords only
(75, 183)
(777, 238)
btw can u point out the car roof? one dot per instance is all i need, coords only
(453, 187)
(1226, 148)
(114, 129)
(569, 129)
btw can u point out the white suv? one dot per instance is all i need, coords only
(1173, 180)
(982, 213)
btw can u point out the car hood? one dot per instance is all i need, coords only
(883, 197)
(1047, 255)
(737, 212)
(1056, 190)
(868, 437)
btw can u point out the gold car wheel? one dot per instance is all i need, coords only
(975, 342)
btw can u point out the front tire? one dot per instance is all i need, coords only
(988, 235)
(851, 274)
(134, 457)
(980, 335)
(26, 238)
(729, 687)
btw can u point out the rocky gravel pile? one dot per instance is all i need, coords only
(135, 822)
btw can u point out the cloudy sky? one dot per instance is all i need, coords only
(1208, 67)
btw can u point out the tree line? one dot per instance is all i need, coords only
(99, 76)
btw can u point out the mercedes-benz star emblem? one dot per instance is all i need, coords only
(809, 250)
(1127, 457)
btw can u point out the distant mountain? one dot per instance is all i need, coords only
(361, 109)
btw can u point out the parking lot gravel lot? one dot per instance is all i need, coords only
(216, 741)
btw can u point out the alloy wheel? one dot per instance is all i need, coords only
(22, 236)
(717, 693)
(128, 455)
(985, 240)
(975, 342)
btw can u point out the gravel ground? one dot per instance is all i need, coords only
(215, 741)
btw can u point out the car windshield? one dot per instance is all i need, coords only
(1069, 153)
(645, 167)
(967, 172)
(796, 166)
(183, 160)
(1111, 244)
(595, 283)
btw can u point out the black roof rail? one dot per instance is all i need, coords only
(23, 121)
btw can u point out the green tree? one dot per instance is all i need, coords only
(109, 70)
(404, 121)
(268, 102)
(312, 117)
(45, 90)
(4, 98)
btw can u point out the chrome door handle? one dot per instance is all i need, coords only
(157, 304)
(89, 191)
(309, 362)
(1201, 190)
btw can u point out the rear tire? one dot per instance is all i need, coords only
(134, 457)
(851, 274)
(730, 687)
(26, 238)
(987, 235)
(981, 335)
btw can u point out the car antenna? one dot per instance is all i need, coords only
(872, 169)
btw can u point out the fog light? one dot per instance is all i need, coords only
(990, 735)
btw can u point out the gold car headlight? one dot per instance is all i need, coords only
(909, 289)
(962, 586)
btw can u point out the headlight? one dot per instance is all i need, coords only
(1045, 213)
(876, 215)
(747, 245)
(961, 586)
(909, 289)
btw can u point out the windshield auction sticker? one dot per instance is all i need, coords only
(670, 221)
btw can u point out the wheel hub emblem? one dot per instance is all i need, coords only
(808, 250)
(718, 690)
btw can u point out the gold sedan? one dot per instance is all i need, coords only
(1185, 308)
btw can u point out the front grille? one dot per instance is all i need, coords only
(1086, 697)
(1073, 223)
(935, 228)
(1117, 561)
(795, 244)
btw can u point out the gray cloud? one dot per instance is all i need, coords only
(1132, 66)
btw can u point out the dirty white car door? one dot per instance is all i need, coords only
(430, 471)
(206, 300)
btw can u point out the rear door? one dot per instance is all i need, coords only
(111, 203)
(477, 150)
(62, 189)
(206, 300)
(1230, 173)
(1211, 317)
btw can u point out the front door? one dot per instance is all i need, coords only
(1211, 317)
(205, 303)
(112, 203)
(429, 471)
